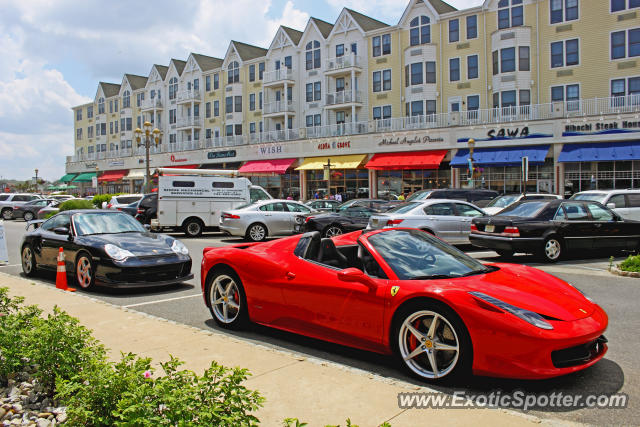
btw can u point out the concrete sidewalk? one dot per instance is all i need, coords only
(312, 390)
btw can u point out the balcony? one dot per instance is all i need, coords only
(189, 96)
(189, 122)
(278, 77)
(341, 98)
(343, 64)
(274, 136)
(339, 129)
(151, 104)
(278, 108)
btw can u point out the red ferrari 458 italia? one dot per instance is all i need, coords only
(405, 292)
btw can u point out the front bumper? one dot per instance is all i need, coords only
(514, 244)
(142, 273)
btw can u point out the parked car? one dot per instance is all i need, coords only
(323, 205)
(51, 208)
(9, 200)
(123, 200)
(501, 202)
(264, 218)
(105, 248)
(147, 208)
(375, 204)
(478, 197)
(343, 221)
(63, 197)
(404, 292)
(130, 209)
(552, 228)
(449, 220)
(625, 203)
(29, 210)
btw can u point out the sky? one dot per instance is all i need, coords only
(54, 52)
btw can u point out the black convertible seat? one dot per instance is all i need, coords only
(329, 255)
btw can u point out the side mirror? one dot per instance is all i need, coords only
(355, 275)
(63, 231)
(611, 205)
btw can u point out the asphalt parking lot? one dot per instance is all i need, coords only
(618, 372)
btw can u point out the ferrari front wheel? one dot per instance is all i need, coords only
(226, 299)
(432, 342)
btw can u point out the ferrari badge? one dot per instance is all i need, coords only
(394, 290)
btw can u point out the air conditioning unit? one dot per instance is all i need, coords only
(330, 99)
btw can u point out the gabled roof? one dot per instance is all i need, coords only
(247, 51)
(207, 63)
(365, 22)
(136, 82)
(179, 65)
(294, 35)
(441, 7)
(323, 26)
(162, 70)
(110, 89)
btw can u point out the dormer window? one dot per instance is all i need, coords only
(126, 99)
(510, 14)
(173, 88)
(312, 55)
(101, 106)
(233, 72)
(420, 32)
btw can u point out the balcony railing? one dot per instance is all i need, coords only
(277, 75)
(278, 107)
(342, 62)
(595, 107)
(150, 104)
(189, 95)
(343, 97)
(188, 122)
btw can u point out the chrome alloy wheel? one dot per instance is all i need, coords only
(333, 231)
(225, 298)
(257, 232)
(84, 274)
(27, 260)
(552, 249)
(428, 344)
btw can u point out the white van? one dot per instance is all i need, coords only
(192, 199)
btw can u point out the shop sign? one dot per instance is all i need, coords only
(601, 128)
(175, 159)
(270, 149)
(115, 163)
(221, 154)
(410, 141)
(334, 145)
(510, 133)
(91, 165)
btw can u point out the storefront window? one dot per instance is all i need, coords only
(280, 186)
(393, 183)
(586, 176)
(508, 179)
(349, 183)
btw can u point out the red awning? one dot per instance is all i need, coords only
(111, 176)
(408, 160)
(182, 167)
(274, 167)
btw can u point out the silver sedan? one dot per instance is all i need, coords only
(264, 218)
(449, 220)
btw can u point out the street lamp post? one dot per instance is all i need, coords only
(327, 172)
(147, 144)
(471, 143)
(36, 171)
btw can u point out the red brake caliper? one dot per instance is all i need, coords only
(413, 341)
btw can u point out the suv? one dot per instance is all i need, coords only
(8, 201)
(147, 208)
(478, 197)
(625, 203)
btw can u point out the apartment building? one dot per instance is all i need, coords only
(391, 107)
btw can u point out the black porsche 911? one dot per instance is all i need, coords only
(551, 228)
(106, 248)
(336, 223)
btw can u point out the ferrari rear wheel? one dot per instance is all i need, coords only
(432, 342)
(226, 299)
(333, 230)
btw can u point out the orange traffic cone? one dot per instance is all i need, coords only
(61, 276)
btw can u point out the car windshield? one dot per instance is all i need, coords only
(502, 201)
(416, 255)
(526, 209)
(403, 208)
(102, 223)
(420, 195)
(592, 197)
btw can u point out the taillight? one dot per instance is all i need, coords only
(394, 222)
(15, 207)
(109, 206)
(511, 231)
(140, 210)
(230, 216)
(307, 219)
(474, 227)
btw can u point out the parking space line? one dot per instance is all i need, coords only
(589, 268)
(161, 300)
(10, 265)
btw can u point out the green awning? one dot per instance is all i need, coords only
(85, 177)
(68, 177)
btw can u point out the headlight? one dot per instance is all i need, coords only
(179, 248)
(528, 316)
(117, 253)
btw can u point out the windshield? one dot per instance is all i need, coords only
(414, 254)
(419, 195)
(526, 209)
(592, 197)
(502, 201)
(403, 208)
(101, 223)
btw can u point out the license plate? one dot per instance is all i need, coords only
(374, 221)
(490, 228)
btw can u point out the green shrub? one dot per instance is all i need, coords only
(99, 198)
(632, 263)
(75, 204)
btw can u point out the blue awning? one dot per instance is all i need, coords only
(600, 152)
(501, 156)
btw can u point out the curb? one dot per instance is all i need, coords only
(618, 272)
